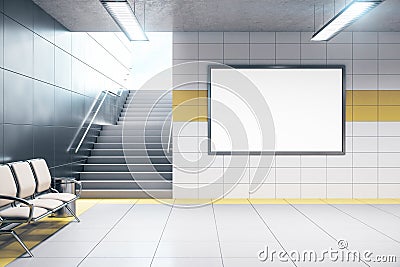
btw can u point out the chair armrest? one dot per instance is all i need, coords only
(23, 201)
(79, 183)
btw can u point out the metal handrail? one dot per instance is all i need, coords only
(106, 92)
(170, 137)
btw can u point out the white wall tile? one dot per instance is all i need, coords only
(185, 51)
(365, 144)
(262, 51)
(211, 37)
(313, 161)
(288, 191)
(185, 66)
(262, 61)
(349, 129)
(288, 51)
(365, 51)
(365, 66)
(339, 175)
(313, 51)
(389, 190)
(287, 161)
(214, 161)
(213, 191)
(186, 144)
(340, 161)
(389, 175)
(365, 129)
(389, 128)
(185, 128)
(365, 37)
(236, 61)
(287, 61)
(203, 128)
(389, 82)
(389, 144)
(236, 175)
(264, 191)
(389, 66)
(185, 175)
(347, 62)
(349, 144)
(288, 37)
(365, 191)
(313, 175)
(236, 37)
(339, 191)
(313, 191)
(211, 51)
(262, 37)
(288, 175)
(263, 161)
(313, 62)
(365, 175)
(339, 51)
(186, 160)
(185, 37)
(211, 175)
(389, 51)
(236, 51)
(236, 191)
(185, 191)
(365, 82)
(236, 161)
(343, 37)
(365, 160)
(389, 37)
(262, 175)
(389, 160)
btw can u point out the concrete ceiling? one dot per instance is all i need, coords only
(221, 15)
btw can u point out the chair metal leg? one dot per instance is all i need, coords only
(11, 232)
(73, 213)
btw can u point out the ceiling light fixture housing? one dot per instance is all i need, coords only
(124, 16)
(345, 18)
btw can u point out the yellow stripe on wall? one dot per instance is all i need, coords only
(361, 105)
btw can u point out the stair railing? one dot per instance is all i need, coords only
(170, 137)
(96, 108)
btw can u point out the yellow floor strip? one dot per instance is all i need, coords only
(231, 201)
(34, 234)
(305, 201)
(379, 201)
(342, 201)
(267, 201)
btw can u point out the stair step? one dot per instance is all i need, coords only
(135, 133)
(145, 123)
(117, 184)
(143, 118)
(130, 146)
(123, 193)
(128, 152)
(118, 138)
(132, 159)
(148, 126)
(149, 105)
(127, 167)
(126, 176)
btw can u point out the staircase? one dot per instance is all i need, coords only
(131, 159)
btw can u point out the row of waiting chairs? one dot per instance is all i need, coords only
(26, 195)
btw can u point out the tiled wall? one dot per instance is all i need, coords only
(371, 166)
(49, 78)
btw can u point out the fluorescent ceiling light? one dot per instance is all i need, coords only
(124, 16)
(344, 18)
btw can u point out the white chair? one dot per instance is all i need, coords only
(12, 213)
(44, 190)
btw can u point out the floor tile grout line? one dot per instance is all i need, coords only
(351, 216)
(112, 227)
(162, 233)
(216, 229)
(322, 229)
(385, 211)
(269, 229)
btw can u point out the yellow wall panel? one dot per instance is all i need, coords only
(349, 113)
(349, 97)
(365, 97)
(389, 113)
(389, 97)
(365, 113)
(185, 97)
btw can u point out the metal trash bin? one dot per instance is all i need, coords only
(65, 185)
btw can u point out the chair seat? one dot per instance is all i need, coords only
(49, 204)
(64, 197)
(22, 213)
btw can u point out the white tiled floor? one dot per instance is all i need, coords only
(218, 235)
